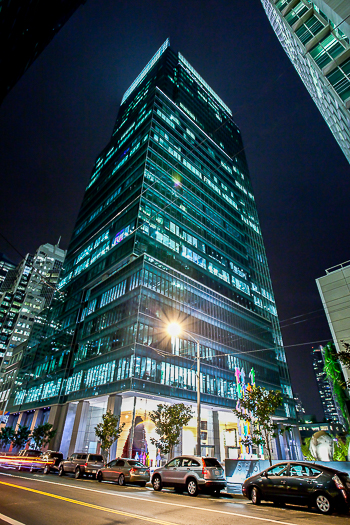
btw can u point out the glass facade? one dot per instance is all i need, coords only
(168, 231)
(316, 37)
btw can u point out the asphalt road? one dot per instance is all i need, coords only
(36, 499)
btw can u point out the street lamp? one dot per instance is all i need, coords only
(174, 329)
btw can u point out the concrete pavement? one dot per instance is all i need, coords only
(36, 499)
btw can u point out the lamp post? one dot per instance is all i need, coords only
(174, 329)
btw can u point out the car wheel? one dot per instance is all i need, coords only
(324, 504)
(192, 487)
(77, 473)
(61, 471)
(157, 483)
(121, 480)
(255, 496)
(46, 469)
(99, 476)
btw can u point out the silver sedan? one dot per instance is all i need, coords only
(125, 470)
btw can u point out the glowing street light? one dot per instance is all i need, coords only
(174, 330)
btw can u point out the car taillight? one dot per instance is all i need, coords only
(148, 471)
(133, 471)
(205, 472)
(85, 465)
(338, 482)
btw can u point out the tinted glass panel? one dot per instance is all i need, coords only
(81, 456)
(120, 463)
(299, 470)
(95, 457)
(135, 463)
(314, 472)
(278, 470)
(195, 463)
(211, 462)
(186, 462)
(175, 463)
(112, 463)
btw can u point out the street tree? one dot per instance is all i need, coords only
(6, 436)
(42, 435)
(344, 353)
(257, 407)
(108, 432)
(169, 420)
(21, 437)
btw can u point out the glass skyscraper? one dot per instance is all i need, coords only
(316, 35)
(167, 231)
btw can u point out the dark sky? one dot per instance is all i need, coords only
(61, 113)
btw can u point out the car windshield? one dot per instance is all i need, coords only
(278, 470)
(135, 463)
(211, 462)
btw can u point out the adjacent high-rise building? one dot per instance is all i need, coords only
(26, 28)
(167, 232)
(335, 296)
(299, 407)
(330, 404)
(316, 35)
(24, 293)
(5, 265)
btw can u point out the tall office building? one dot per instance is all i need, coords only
(315, 35)
(26, 28)
(331, 408)
(5, 266)
(24, 293)
(299, 407)
(167, 231)
(335, 296)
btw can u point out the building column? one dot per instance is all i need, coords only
(57, 419)
(216, 431)
(114, 405)
(21, 420)
(36, 419)
(79, 427)
(131, 436)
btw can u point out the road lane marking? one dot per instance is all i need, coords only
(204, 509)
(84, 504)
(10, 520)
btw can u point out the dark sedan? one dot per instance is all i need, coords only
(300, 483)
(125, 470)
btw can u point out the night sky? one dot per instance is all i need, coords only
(61, 114)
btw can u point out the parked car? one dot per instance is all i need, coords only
(191, 473)
(52, 461)
(125, 470)
(300, 483)
(30, 453)
(28, 459)
(81, 464)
